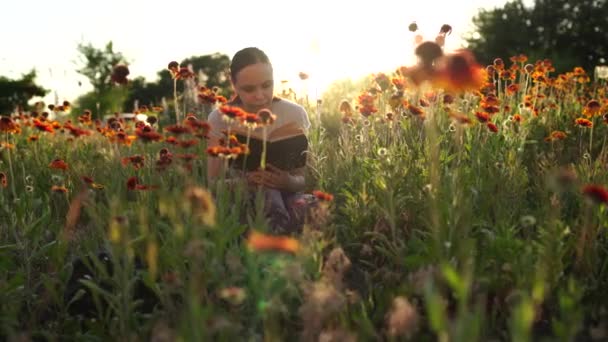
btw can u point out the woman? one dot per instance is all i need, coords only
(251, 76)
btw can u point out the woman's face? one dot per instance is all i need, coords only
(254, 84)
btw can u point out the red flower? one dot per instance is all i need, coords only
(178, 129)
(597, 193)
(482, 116)
(583, 122)
(58, 164)
(3, 180)
(232, 112)
(133, 184)
(323, 196)
(119, 74)
(492, 127)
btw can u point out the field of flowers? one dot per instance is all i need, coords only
(457, 203)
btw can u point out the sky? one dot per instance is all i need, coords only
(327, 39)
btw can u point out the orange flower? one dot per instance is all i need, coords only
(259, 242)
(123, 138)
(556, 135)
(592, 108)
(482, 116)
(323, 196)
(459, 72)
(8, 125)
(583, 122)
(232, 113)
(415, 110)
(499, 64)
(58, 164)
(178, 129)
(43, 126)
(136, 160)
(89, 181)
(597, 193)
(147, 134)
(59, 189)
(3, 180)
(5, 145)
(187, 143)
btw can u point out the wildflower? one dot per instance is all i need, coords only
(3, 180)
(232, 113)
(147, 134)
(516, 118)
(345, 108)
(583, 122)
(43, 126)
(492, 127)
(201, 205)
(383, 81)
(266, 116)
(415, 110)
(123, 138)
(29, 188)
(556, 135)
(499, 65)
(187, 143)
(91, 183)
(592, 108)
(58, 164)
(178, 129)
(152, 119)
(482, 116)
(382, 151)
(251, 120)
(136, 160)
(445, 29)
(323, 196)
(413, 27)
(59, 189)
(8, 125)
(173, 67)
(119, 74)
(133, 184)
(459, 72)
(527, 221)
(260, 242)
(596, 193)
(428, 52)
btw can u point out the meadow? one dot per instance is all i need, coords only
(460, 204)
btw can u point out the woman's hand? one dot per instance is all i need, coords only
(276, 178)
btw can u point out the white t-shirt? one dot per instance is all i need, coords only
(285, 111)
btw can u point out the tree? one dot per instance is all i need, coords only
(211, 71)
(99, 65)
(17, 93)
(569, 32)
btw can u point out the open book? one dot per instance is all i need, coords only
(286, 149)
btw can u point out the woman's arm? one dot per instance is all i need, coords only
(273, 177)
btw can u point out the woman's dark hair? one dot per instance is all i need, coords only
(246, 57)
